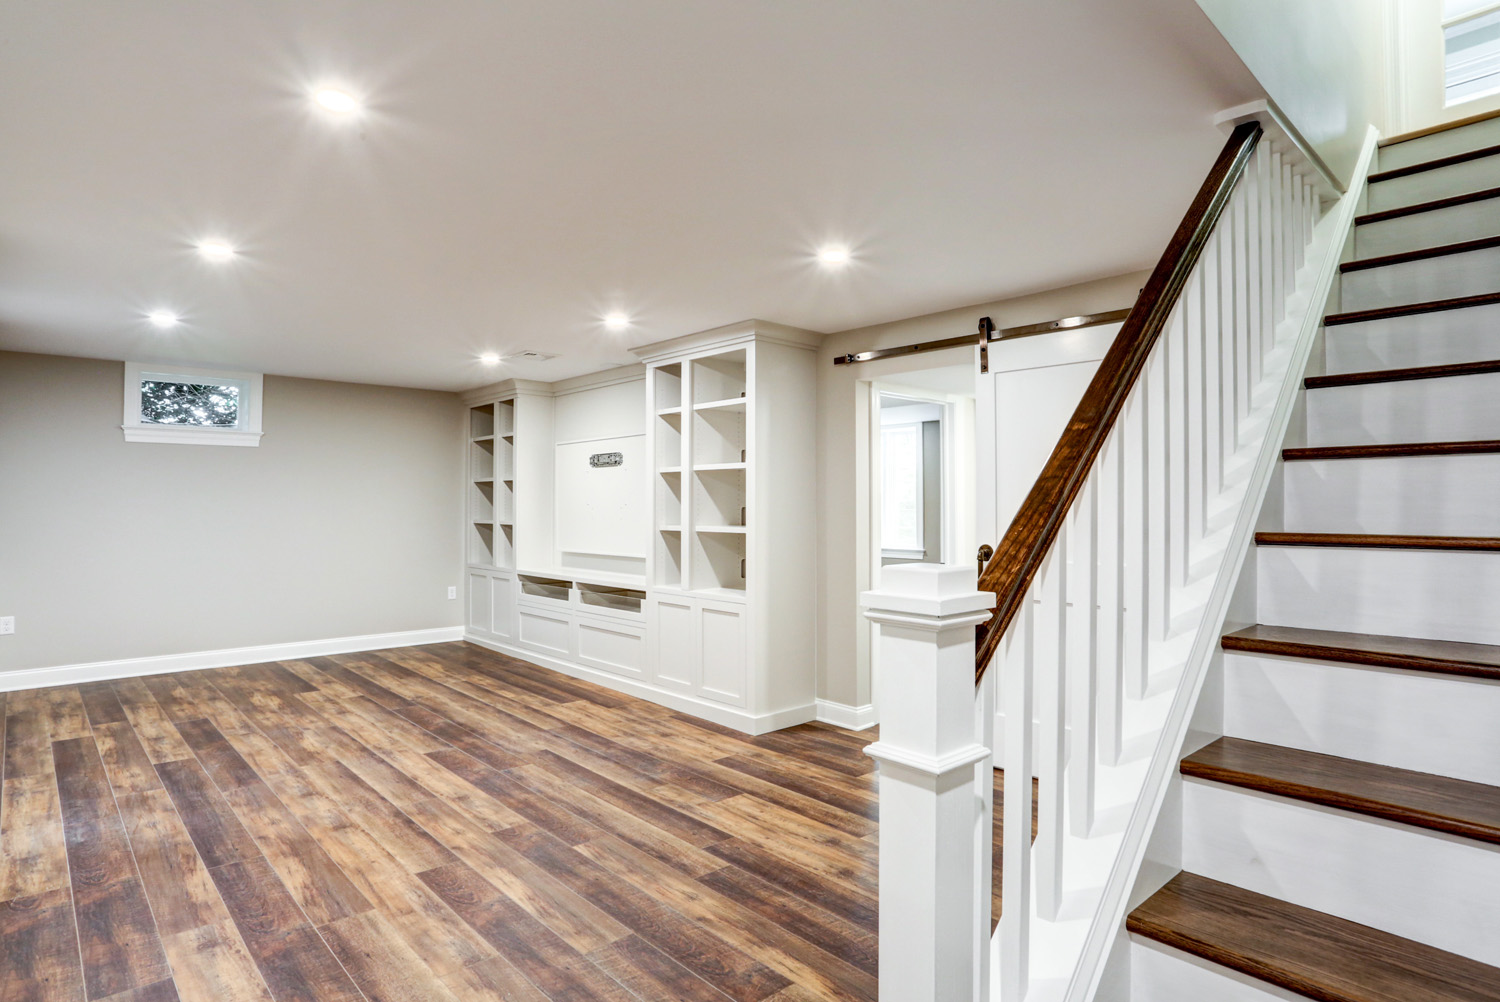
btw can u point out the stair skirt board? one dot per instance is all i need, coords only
(1453, 408)
(99, 671)
(1401, 880)
(1413, 495)
(1439, 724)
(1431, 594)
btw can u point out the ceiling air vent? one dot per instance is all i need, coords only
(530, 356)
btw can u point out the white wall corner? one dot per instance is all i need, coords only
(851, 718)
(99, 671)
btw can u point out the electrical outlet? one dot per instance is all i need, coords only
(7, 624)
(452, 591)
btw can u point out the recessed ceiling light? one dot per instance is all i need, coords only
(163, 318)
(616, 321)
(339, 102)
(833, 255)
(216, 250)
(490, 358)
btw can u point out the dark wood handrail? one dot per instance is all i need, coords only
(1034, 529)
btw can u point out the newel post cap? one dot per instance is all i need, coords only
(937, 596)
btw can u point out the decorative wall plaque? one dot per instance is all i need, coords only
(599, 459)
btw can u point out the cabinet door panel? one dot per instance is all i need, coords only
(674, 638)
(503, 606)
(479, 603)
(543, 632)
(722, 651)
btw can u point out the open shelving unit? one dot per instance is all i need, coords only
(491, 490)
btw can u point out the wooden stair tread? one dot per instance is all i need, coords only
(1305, 951)
(1391, 451)
(1401, 375)
(1373, 541)
(1448, 657)
(1466, 198)
(1437, 164)
(1425, 253)
(1422, 800)
(1411, 309)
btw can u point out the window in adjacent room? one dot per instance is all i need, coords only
(901, 491)
(1471, 50)
(191, 406)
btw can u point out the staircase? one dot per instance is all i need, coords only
(1341, 840)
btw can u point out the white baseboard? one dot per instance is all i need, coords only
(98, 671)
(851, 718)
(728, 716)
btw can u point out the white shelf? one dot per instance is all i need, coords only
(483, 480)
(482, 438)
(669, 528)
(675, 471)
(737, 529)
(669, 412)
(710, 467)
(731, 404)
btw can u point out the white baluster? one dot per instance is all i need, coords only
(1112, 602)
(1083, 653)
(1017, 683)
(1198, 296)
(1051, 659)
(1290, 241)
(1267, 256)
(1135, 492)
(1109, 627)
(1299, 219)
(1278, 239)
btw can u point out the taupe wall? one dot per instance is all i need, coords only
(1321, 61)
(345, 521)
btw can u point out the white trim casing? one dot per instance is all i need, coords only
(98, 671)
(245, 433)
(850, 718)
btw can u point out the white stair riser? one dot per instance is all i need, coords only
(1468, 335)
(1428, 229)
(1448, 277)
(1440, 182)
(1407, 495)
(1439, 145)
(1161, 974)
(1408, 882)
(1440, 724)
(1447, 409)
(1433, 594)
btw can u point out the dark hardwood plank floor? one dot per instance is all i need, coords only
(437, 823)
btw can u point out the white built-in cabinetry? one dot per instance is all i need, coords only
(705, 602)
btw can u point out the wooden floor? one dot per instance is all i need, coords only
(430, 823)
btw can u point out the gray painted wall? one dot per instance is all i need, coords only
(1321, 61)
(345, 521)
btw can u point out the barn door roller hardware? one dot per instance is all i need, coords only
(986, 333)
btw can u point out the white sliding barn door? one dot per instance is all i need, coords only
(1023, 404)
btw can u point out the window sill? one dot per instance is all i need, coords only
(190, 436)
(903, 554)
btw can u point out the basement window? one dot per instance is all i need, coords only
(1471, 50)
(191, 406)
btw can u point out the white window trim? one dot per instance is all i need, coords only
(246, 433)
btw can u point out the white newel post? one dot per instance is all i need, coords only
(931, 801)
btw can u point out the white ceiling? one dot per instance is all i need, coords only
(525, 167)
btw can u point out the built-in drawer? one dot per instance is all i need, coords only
(612, 645)
(543, 629)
